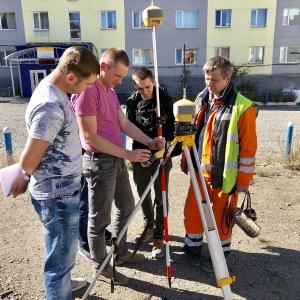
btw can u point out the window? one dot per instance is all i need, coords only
(40, 21)
(3, 62)
(142, 57)
(190, 56)
(187, 19)
(7, 21)
(222, 51)
(108, 20)
(75, 31)
(223, 18)
(256, 55)
(289, 54)
(291, 16)
(258, 17)
(137, 20)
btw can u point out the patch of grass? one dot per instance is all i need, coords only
(265, 172)
(292, 161)
(7, 160)
(265, 166)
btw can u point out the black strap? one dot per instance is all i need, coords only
(115, 258)
(141, 238)
(249, 211)
(230, 217)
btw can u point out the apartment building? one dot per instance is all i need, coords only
(264, 35)
(242, 31)
(50, 26)
(11, 35)
(286, 49)
(183, 28)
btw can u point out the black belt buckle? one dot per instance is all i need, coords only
(98, 155)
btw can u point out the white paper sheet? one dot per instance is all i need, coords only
(8, 175)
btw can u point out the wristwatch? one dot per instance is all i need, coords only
(27, 178)
(149, 144)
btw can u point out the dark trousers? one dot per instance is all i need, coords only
(83, 216)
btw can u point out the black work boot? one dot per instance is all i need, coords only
(186, 253)
(207, 264)
(108, 237)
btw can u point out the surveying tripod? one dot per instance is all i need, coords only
(186, 136)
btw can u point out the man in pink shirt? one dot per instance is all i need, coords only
(101, 122)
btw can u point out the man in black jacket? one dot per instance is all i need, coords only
(142, 111)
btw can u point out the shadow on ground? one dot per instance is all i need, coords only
(278, 265)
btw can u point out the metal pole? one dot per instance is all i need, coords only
(20, 80)
(159, 129)
(163, 180)
(288, 140)
(7, 144)
(12, 79)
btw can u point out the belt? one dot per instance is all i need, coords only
(98, 155)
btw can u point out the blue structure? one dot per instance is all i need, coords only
(288, 141)
(7, 140)
(33, 68)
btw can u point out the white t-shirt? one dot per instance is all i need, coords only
(49, 117)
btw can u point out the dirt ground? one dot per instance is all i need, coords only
(266, 267)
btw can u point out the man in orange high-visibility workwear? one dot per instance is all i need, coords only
(226, 142)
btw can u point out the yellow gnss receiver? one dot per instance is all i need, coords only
(152, 16)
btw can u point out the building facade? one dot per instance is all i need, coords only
(262, 35)
(286, 48)
(11, 35)
(49, 30)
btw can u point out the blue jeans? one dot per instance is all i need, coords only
(108, 180)
(60, 224)
(142, 177)
(83, 216)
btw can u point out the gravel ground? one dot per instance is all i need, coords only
(266, 267)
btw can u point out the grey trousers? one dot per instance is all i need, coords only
(108, 180)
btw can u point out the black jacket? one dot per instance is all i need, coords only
(144, 115)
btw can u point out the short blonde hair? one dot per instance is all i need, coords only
(112, 56)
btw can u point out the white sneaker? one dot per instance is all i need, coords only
(78, 283)
(158, 250)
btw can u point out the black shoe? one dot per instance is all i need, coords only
(108, 236)
(207, 264)
(186, 253)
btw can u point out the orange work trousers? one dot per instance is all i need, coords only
(192, 218)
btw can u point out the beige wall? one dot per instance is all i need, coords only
(59, 32)
(240, 36)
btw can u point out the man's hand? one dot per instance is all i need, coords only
(158, 143)
(139, 155)
(184, 167)
(18, 187)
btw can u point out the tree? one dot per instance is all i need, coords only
(238, 77)
(184, 77)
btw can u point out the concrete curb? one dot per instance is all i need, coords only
(15, 100)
